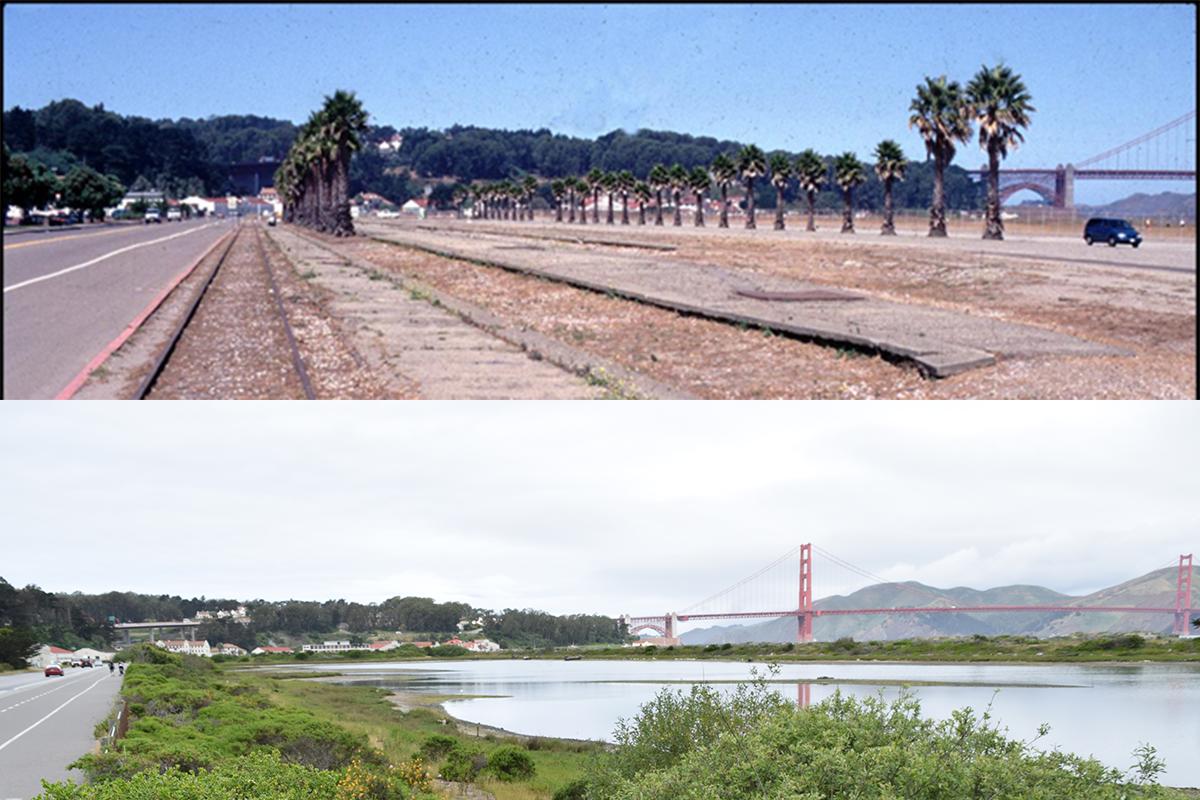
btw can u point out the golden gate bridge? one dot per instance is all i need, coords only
(1165, 153)
(740, 600)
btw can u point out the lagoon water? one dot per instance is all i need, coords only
(1100, 710)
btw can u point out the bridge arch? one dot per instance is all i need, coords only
(635, 628)
(1046, 193)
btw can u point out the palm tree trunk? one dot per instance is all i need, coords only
(937, 212)
(596, 206)
(778, 208)
(889, 225)
(724, 206)
(610, 208)
(750, 224)
(641, 212)
(344, 223)
(995, 225)
(558, 203)
(699, 222)
(812, 199)
(848, 211)
(658, 209)
(678, 210)
(624, 208)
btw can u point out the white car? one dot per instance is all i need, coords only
(387, 214)
(174, 215)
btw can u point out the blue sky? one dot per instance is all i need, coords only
(829, 76)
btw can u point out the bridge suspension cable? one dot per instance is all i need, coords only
(846, 565)
(1139, 140)
(740, 584)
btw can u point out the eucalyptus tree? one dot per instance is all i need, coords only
(699, 182)
(781, 173)
(942, 114)
(609, 183)
(812, 174)
(848, 172)
(1000, 104)
(595, 180)
(625, 184)
(529, 188)
(659, 179)
(890, 165)
(679, 182)
(642, 191)
(724, 172)
(752, 163)
(558, 188)
(345, 123)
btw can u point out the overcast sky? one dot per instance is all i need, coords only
(587, 507)
(834, 77)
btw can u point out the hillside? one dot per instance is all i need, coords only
(1163, 204)
(1153, 589)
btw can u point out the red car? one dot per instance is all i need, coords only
(53, 669)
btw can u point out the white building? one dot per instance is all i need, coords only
(481, 646)
(94, 655)
(380, 646)
(268, 649)
(200, 648)
(334, 647)
(48, 654)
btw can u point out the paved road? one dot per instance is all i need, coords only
(67, 294)
(46, 723)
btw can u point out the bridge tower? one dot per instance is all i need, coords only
(804, 617)
(1064, 186)
(1183, 595)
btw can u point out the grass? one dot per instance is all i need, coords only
(399, 734)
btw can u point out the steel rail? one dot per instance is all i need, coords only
(297, 360)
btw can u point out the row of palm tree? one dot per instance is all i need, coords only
(942, 111)
(313, 181)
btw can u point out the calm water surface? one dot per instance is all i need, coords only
(1102, 711)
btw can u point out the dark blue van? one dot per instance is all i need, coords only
(1113, 231)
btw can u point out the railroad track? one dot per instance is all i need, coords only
(254, 359)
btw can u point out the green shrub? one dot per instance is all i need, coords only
(436, 746)
(575, 790)
(463, 764)
(509, 763)
(448, 651)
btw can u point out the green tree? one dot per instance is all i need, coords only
(659, 179)
(344, 121)
(751, 163)
(28, 185)
(595, 180)
(1000, 104)
(558, 188)
(781, 173)
(17, 646)
(609, 183)
(942, 114)
(848, 172)
(812, 174)
(529, 186)
(890, 165)
(626, 183)
(85, 189)
(679, 181)
(724, 172)
(698, 182)
(643, 193)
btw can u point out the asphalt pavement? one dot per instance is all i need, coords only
(68, 294)
(46, 723)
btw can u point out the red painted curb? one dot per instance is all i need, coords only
(77, 382)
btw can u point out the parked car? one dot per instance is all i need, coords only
(174, 215)
(387, 214)
(1113, 231)
(53, 669)
(152, 215)
(87, 662)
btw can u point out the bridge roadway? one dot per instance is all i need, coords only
(68, 293)
(46, 723)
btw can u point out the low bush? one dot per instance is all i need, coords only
(463, 764)
(437, 745)
(510, 763)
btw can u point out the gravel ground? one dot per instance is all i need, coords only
(235, 346)
(1150, 314)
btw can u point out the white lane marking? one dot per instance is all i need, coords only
(69, 675)
(58, 685)
(97, 260)
(51, 714)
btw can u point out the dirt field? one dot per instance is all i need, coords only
(1142, 302)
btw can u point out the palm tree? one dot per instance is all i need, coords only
(345, 123)
(572, 184)
(813, 173)
(679, 182)
(558, 188)
(1000, 104)
(752, 163)
(530, 186)
(781, 173)
(889, 166)
(643, 193)
(659, 179)
(699, 181)
(610, 188)
(595, 179)
(943, 116)
(625, 184)
(724, 172)
(849, 172)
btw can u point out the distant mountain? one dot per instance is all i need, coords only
(1163, 204)
(1155, 589)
